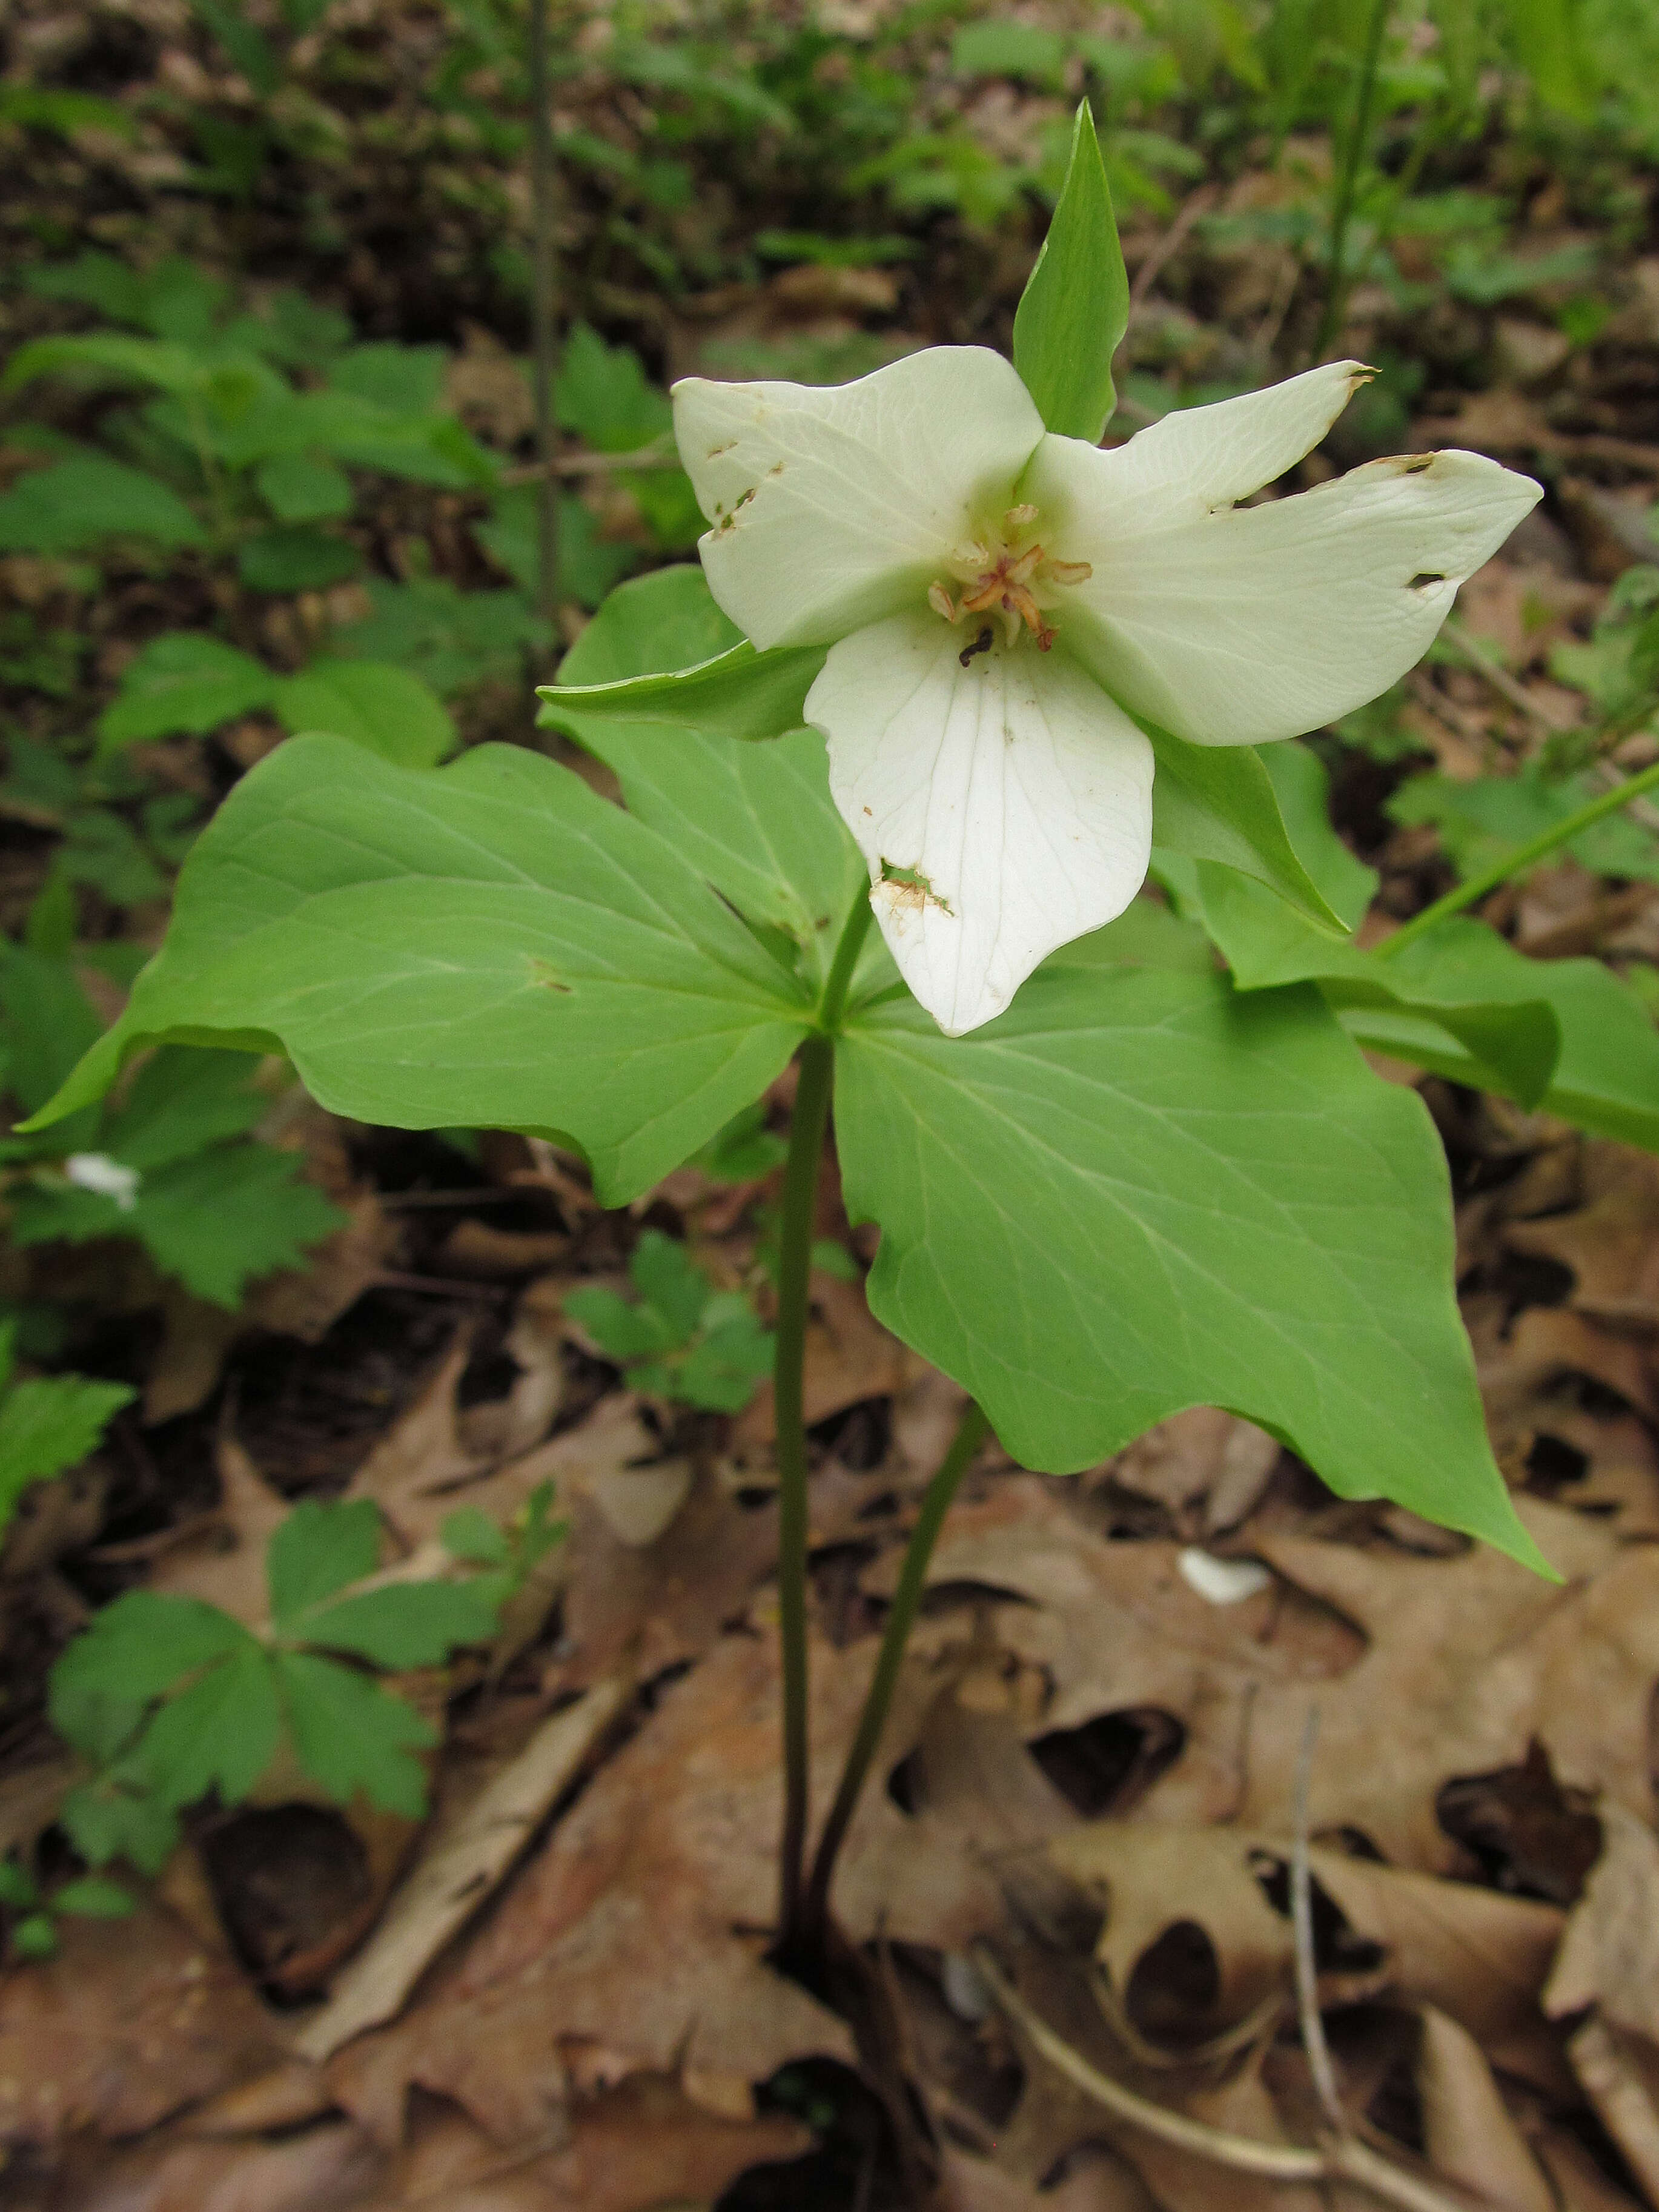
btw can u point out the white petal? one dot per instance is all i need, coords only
(833, 505)
(1199, 459)
(1013, 787)
(1252, 624)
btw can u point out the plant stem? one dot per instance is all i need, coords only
(800, 1182)
(1348, 179)
(879, 1699)
(542, 182)
(1523, 857)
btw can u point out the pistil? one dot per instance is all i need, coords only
(1007, 578)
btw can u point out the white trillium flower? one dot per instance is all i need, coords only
(999, 602)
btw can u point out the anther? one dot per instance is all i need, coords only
(1071, 572)
(1018, 517)
(941, 602)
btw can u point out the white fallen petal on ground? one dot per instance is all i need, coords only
(1221, 1581)
(1262, 622)
(833, 505)
(108, 1178)
(1011, 797)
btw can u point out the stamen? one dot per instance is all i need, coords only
(1018, 517)
(941, 602)
(1014, 582)
(1071, 572)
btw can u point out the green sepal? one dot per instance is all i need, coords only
(1218, 803)
(739, 694)
(1075, 306)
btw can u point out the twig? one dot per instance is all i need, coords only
(1195, 205)
(1307, 1972)
(1344, 2160)
(1336, 273)
(1516, 695)
(658, 454)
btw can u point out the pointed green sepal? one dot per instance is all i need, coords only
(1075, 306)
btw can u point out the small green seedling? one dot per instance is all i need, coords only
(33, 1933)
(48, 1423)
(683, 1338)
(170, 1699)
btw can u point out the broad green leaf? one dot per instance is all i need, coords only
(385, 708)
(451, 639)
(296, 556)
(1217, 803)
(184, 683)
(469, 1533)
(77, 503)
(51, 1423)
(297, 489)
(219, 1733)
(137, 1647)
(602, 394)
(1138, 1191)
(90, 279)
(756, 820)
(403, 379)
(107, 357)
(487, 946)
(323, 1546)
(1000, 47)
(721, 1374)
(589, 565)
(353, 1735)
(404, 1624)
(1462, 1002)
(1075, 306)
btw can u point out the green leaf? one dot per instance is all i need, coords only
(404, 1624)
(184, 683)
(998, 47)
(93, 1898)
(667, 1277)
(489, 945)
(1075, 306)
(720, 1373)
(1218, 803)
(602, 393)
(214, 1220)
(589, 565)
(740, 694)
(1461, 1002)
(469, 1533)
(403, 379)
(137, 1648)
(76, 504)
(451, 639)
(295, 557)
(744, 1150)
(91, 279)
(35, 1937)
(106, 1821)
(107, 357)
(297, 489)
(1482, 822)
(353, 1735)
(1302, 787)
(666, 620)
(1138, 1191)
(622, 1332)
(321, 1547)
(385, 709)
(48, 1023)
(18, 1888)
(757, 820)
(219, 1733)
(49, 1424)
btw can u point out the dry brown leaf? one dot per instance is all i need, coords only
(1201, 1456)
(1610, 1241)
(1579, 2183)
(129, 2020)
(640, 1927)
(635, 2147)
(306, 1302)
(1617, 2076)
(225, 1564)
(1094, 2181)
(1468, 2135)
(327, 2169)
(1609, 1954)
(850, 1357)
(422, 1452)
(461, 1869)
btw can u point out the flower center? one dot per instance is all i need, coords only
(1007, 574)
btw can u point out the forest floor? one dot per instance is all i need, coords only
(1138, 1698)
